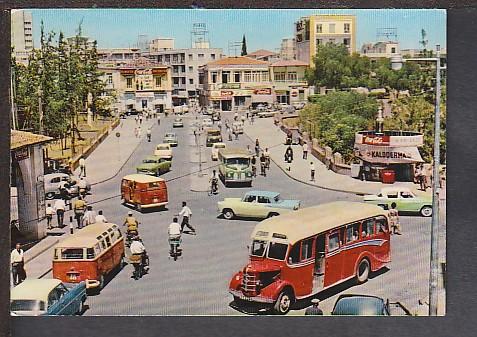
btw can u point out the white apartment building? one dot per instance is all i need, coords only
(288, 49)
(381, 49)
(21, 35)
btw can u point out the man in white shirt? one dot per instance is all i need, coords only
(49, 215)
(59, 208)
(137, 247)
(174, 230)
(305, 150)
(100, 217)
(82, 165)
(82, 187)
(17, 262)
(312, 171)
(89, 216)
(186, 213)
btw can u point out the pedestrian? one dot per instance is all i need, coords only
(59, 208)
(257, 147)
(312, 171)
(89, 216)
(394, 220)
(314, 310)
(421, 178)
(289, 157)
(139, 131)
(148, 134)
(247, 114)
(186, 214)
(235, 116)
(263, 165)
(100, 217)
(242, 118)
(135, 132)
(219, 124)
(158, 120)
(63, 188)
(140, 119)
(252, 119)
(49, 215)
(254, 166)
(79, 209)
(136, 119)
(82, 165)
(82, 186)
(305, 150)
(17, 261)
(230, 135)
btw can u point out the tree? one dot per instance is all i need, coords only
(244, 46)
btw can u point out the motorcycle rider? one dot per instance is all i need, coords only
(174, 232)
(266, 153)
(132, 225)
(138, 252)
(148, 133)
(214, 182)
(263, 164)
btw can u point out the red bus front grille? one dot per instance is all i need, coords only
(249, 283)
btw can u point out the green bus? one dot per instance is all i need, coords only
(235, 166)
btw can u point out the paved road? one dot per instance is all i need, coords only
(198, 283)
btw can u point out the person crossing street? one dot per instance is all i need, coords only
(17, 261)
(59, 208)
(186, 214)
(79, 208)
(49, 216)
(82, 165)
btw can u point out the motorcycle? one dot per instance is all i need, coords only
(175, 251)
(140, 263)
(129, 236)
(214, 187)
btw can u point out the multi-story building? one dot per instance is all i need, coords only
(287, 49)
(161, 43)
(118, 55)
(21, 35)
(289, 83)
(381, 49)
(139, 84)
(235, 81)
(185, 64)
(264, 55)
(314, 30)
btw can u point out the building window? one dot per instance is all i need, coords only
(346, 42)
(291, 76)
(212, 56)
(158, 81)
(183, 80)
(129, 82)
(167, 58)
(214, 77)
(331, 28)
(201, 56)
(175, 58)
(182, 68)
(110, 78)
(319, 41)
(191, 69)
(265, 77)
(247, 76)
(319, 28)
(191, 81)
(393, 50)
(159, 58)
(191, 57)
(176, 80)
(225, 76)
(237, 77)
(346, 28)
(279, 76)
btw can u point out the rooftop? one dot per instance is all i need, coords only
(237, 60)
(20, 139)
(289, 63)
(262, 52)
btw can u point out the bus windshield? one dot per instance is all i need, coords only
(237, 161)
(277, 251)
(258, 247)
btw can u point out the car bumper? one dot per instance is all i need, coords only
(258, 299)
(231, 180)
(157, 204)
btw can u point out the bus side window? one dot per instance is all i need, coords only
(307, 249)
(368, 228)
(90, 253)
(103, 244)
(333, 241)
(352, 233)
(381, 225)
(97, 249)
(294, 256)
(108, 241)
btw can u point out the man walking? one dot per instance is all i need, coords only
(49, 216)
(17, 261)
(79, 208)
(82, 165)
(312, 171)
(186, 214)
(59, 208)
(314, 310)
(89, 216)
(394, 220)
(100, 217)
(305, 150)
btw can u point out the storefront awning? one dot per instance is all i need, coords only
(388, 154)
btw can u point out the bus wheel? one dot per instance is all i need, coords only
(426, 211)
(284, 302)
(362, 273)
(228, 214)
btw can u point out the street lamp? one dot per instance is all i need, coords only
(434, 263)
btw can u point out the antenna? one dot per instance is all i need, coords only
(389, 34)
(199, 36)
(234, 46)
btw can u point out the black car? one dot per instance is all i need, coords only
(367, 305)
(132, 112)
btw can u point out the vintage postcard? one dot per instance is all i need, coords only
(228, 162)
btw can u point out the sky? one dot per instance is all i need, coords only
(263, 29)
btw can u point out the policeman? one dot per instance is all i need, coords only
(314, 310)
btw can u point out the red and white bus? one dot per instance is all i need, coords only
(299, 254)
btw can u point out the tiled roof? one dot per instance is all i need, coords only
(261, 52)
(237, 60)
(289, 63)
(22, 138)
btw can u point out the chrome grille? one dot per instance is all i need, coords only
(249, 283)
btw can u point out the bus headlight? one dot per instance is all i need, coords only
(248, 174)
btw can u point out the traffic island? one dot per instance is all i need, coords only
(199, 182)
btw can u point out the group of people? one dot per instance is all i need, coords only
(263, 157)
(85, 215)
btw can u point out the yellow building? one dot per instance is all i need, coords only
(311, 31)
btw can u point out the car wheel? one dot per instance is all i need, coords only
(362, 273)
(426, 211)
(272, 214)
(284, 302)
(228, 214)
(50, 195)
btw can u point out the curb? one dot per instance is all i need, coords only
(309, 184)
(41, 251)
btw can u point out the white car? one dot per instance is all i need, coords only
(52, 181)
(207, 123)
(163, 151)
(215, 150)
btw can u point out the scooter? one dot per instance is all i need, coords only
(175, 251)
(140, 264)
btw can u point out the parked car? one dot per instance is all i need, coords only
(35, 297)
(52, 180)
(367, 305)
(154, 165)
(163, 150)
(215, 150)
(178, 123)
(207, 123)
(405, 200)
(170, 138)
(132, 112)
(257, 204)
(213, 136)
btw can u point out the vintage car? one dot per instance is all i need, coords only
(367, 305)
(256, 204)
(170, 138)
(144, 191)
(178, 123)
(52, 180)
(215, 150)
(154, 165)
(405, 200)
(213, 136)
(164, 151)
(35, 297)
(207, 123)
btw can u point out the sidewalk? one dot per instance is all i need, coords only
(273, 138)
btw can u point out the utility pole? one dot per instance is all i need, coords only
(434, 265)
(40, 110)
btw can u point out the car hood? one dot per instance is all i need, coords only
(148, 166)
(262, 265)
